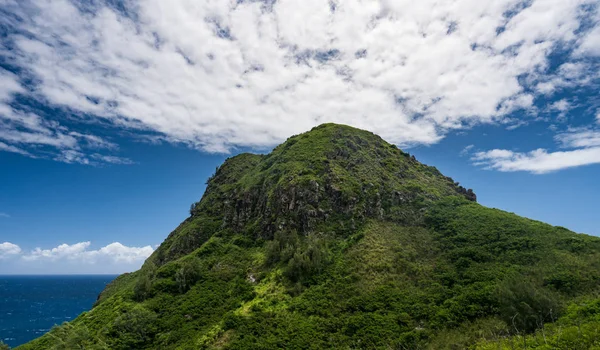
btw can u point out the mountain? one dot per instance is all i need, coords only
(338, 239)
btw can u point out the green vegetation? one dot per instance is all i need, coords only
(578, 328)
(339, 240)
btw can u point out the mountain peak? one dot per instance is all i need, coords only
(330, 174)
(327, 135)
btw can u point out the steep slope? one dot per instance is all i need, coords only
(337, 239)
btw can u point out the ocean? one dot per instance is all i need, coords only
(31, 305)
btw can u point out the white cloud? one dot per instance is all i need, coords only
(221, 74)
(20, 129)
(59, 252)
(578, 138)
(9, 85)
(539, 161)
(8, 148)
(4, 215)
(561, 105)
(8, 249)
(466, 150)
(546, 87)
(80, 253)
(583, 145)
(72, 157)
(78, 258)
(111, 159)
(570, 75)
(119, 252)
(590, 43)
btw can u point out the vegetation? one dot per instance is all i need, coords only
(339, 240)
(579, 328)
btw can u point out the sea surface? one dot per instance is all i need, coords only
(31, 305)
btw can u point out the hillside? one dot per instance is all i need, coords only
(337, 239)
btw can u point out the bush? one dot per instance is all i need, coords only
(142, 288)
(304, 258)
(282, 247)
(310, 259)
(187, 275)
(526, 306)
(133, 329)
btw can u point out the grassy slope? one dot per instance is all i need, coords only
(382, 253)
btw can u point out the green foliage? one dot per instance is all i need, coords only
(188, 274)
(308, 260)
(4, 346)
(282, 247)
(578, 329)
(133, 329)
(526, 306)
(70, 337)
(142, 288)
(303, 258)
(337, 239)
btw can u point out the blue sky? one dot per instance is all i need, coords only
(114, 113)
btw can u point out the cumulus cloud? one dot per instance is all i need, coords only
(78, 258)
(80, 252)
(583, 149)
(59, 252)
(9, 249)
(217, 75)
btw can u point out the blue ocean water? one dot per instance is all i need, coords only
(31, 305)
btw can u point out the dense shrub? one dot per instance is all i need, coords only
(303, 258)
(526, 306)
(188, 274)
(142, 288)
(133, 329)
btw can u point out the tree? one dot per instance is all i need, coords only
(193, 208)
(526, 306)
(141, 290)
(133, 329)
(308, 260)
(187, 275)
(4, 346)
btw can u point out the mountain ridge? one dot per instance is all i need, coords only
(339, 239)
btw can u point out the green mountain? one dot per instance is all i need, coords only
(337, 239)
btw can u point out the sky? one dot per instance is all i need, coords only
(114, 113)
